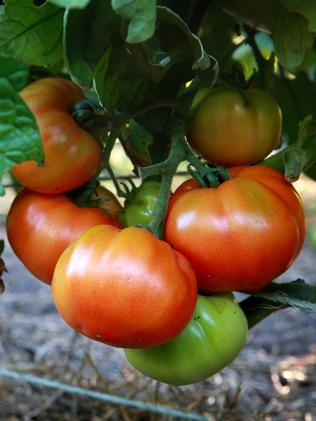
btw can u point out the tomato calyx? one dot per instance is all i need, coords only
(209, 176)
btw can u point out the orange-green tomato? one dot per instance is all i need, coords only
(214, 337)
(124, 287)
(40, 227)
(72, 155)
(226, 131)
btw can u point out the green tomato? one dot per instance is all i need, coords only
(140, 205)
(211, 340)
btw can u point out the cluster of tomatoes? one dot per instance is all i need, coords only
(169, 302)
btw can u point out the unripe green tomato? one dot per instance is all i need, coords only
(139, 207)
(227, 131)
(211, 340)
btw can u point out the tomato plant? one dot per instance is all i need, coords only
(108, 286)
(140, 204)
(72, 155)
(172, 87)
(240, 235)
(41, 227)
(211, 340)
(226, 130)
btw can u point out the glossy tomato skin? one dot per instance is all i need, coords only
(139, 207)
(72, 155)
(214, 337)
(109, 286)
(226, 131)
(40, 227)
(240, 235)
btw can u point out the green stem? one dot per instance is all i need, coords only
(167, 170)
(180, 151)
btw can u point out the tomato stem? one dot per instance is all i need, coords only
(180, 151)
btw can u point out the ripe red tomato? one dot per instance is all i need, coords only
(240, 235)
(41, 227)
(227, 132)
(124, 287)
(72, 155)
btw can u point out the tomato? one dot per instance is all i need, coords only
(214, 337)
(140, 205)
(241, 234)
(72, 155)
(108, 286)
(41, 227)
(227, 132)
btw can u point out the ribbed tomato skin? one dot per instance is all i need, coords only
(40, 227)
(124, 287)
(71, 154)
(241, 235)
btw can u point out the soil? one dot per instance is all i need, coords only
(274, 377)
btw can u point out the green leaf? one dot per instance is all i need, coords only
(19, 136)
(201, 60)
(1, 246)
(16, 71)
(119, 82)
(216, 33)
(33, 34)
(292, 294)
(289, 30)
(88, 34)
(275, 297)
(70, 4)
(304, 7)
(138, 141)
(142, 17)
(297, 99)
(291, 37)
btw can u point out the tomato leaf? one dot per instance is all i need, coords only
(275, 297)
(297, 99)
(88, 34)
(216, 31)
(142, 17)
(33, 34)
(19, 135)
(289, 30)
(305, 8)
(138, 141)
(70, 4)
(201, 60)
(291, 37)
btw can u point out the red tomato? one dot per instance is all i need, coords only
(72, 155)
(240, 235)
(124, 287)
(41, 227)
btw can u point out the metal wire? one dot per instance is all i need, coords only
(116, 400)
